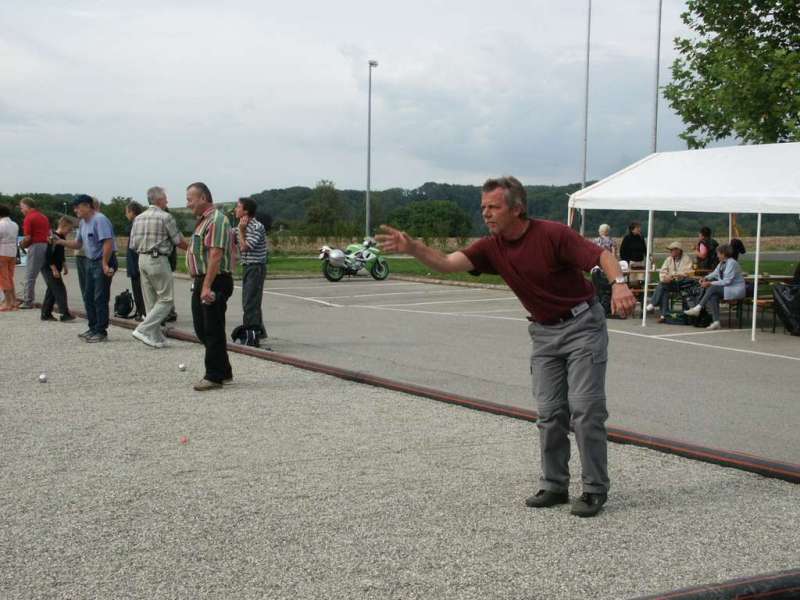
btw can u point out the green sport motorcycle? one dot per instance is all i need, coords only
(338, 263)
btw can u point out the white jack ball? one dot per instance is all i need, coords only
(43, 378)
(181, 367)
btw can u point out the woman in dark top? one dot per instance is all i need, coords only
(633, 248)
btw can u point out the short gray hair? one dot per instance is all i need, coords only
(513, 191)
(604, 229)
(155, 193)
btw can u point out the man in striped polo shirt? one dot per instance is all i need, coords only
(250, 238)
(208, 260)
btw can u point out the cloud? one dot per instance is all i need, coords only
(112, 98)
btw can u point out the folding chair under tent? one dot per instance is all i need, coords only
(762, 179)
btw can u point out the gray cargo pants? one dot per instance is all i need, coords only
(37, 257)
(568, 366)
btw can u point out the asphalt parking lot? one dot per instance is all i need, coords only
(716, 389)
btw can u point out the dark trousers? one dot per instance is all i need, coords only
(138, 297)
(252, 295)
(56, 293)
(209, 325)
(97, 294)
(80, 266)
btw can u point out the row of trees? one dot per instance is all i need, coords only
(433, 210)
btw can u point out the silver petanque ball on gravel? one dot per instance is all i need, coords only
(181, 367)
(43, 378)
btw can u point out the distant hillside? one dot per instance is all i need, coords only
(287, 207)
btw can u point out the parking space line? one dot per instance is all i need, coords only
(439, 302)
(337, 285)
(496, 310)
(315, 300)
(629, 333)
(669, 335)
(437, 292)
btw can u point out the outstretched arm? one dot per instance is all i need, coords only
(394, 240)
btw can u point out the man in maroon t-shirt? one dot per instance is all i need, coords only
(544, 263)
(36, 232)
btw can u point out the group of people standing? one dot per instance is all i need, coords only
(154, 236)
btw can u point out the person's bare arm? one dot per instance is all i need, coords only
(214, 261)
(243, 245)
(622, 300)
(108, 250)
(25, 242)
(72, 244)
(394, 240)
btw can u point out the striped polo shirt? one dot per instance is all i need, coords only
(256, 237)
(212, 231)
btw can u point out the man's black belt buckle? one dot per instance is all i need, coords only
(155, 253)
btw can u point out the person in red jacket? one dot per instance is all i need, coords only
(36, 232)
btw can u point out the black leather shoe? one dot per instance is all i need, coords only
(545, 498)
(588, 505)
(66, 318)
(48, 318)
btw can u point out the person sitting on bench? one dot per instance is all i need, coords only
(726, 281)
(677, 268)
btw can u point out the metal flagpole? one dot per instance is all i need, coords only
(372, 64)
(586, 109)
(755, 281)
(655, 148)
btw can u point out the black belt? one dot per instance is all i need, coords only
(154, 254)
(575, 311)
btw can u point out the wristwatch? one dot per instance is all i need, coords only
(619, 279)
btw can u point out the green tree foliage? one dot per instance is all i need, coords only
(740, 74)
(432, 218)
(326, 214)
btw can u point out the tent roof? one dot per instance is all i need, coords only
(737, 179)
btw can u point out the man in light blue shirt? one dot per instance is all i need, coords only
(96, 237)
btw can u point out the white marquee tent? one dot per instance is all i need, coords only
(738, 179)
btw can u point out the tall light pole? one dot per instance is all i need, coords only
(655, 149)
(372, 65)
(586, 109)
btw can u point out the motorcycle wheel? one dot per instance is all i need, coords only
(332, 273)
(380, 270)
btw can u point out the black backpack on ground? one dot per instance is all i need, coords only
(787, 306)
(123, 305)
(691, 292)
(245, 337)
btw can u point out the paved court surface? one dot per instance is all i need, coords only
(297, 485)
(716, 389)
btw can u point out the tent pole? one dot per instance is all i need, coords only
(583, 221)
(730, 227)
(755, 281)
(647, 266)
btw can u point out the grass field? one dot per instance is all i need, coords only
(287, 265)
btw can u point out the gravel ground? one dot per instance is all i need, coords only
(297, 485)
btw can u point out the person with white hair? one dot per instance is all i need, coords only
(605, 241)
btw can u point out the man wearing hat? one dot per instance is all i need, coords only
(96, 238)
(676, 267)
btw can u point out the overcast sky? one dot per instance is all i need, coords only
(111, 97)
